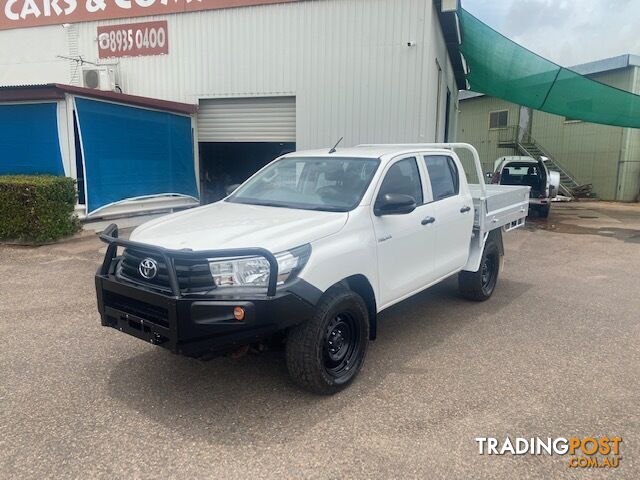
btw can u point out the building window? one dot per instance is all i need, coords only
(498, 119)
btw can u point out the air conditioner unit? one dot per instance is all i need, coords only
(99, 78)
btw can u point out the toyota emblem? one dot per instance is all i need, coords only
(148, 268)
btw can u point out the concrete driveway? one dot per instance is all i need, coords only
(554, 353)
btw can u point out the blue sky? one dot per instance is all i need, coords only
(567, 32)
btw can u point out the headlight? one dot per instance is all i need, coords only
(254, 271)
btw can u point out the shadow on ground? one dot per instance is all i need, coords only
(252, 399)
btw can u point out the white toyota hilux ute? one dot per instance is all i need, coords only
(306, 253)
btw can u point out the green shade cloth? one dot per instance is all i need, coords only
(501, 68)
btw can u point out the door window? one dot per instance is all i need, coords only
(403, 177)
(443, 175)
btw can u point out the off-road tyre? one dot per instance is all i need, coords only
(479, 286)
(325, 353)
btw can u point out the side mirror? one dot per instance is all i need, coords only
(231, 188)
(394, 204)
(489, 174)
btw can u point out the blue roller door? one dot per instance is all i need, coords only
(132, 152)
(29, 142)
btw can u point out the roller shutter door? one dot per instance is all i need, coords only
(259, 119)
(132, 152)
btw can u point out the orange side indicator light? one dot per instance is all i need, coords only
(238, 313)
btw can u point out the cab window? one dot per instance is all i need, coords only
(443, 175)
(403, 177)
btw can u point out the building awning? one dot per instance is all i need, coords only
(127, 153)
(499, 67)
(450, 24)
(57, 91)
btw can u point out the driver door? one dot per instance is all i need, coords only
(405, 242)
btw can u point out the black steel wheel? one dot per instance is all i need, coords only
(341, 344)
(479, 286)
(489, 272)
(325, 353)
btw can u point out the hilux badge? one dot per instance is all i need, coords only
(148, 268)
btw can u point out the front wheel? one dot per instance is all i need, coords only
(479, 286)
(325, 353)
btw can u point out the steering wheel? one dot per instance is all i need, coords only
(328, 192)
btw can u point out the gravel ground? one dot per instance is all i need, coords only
(555, 352)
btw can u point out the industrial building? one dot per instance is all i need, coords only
(606, 157)
(241, 81)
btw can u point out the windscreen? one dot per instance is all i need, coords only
(520, 171)
(522, 174)
(327, 184)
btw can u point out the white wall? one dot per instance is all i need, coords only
(28, 56)
(346, 61)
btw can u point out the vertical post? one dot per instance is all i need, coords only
(108, 257)
(476, 160)
(171, 273)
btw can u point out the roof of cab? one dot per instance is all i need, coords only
(516, 158)
(374, 151)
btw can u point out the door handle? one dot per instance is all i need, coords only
(465, 209)
(428, 220)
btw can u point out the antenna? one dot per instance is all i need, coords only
(333, 150)
(79, 60)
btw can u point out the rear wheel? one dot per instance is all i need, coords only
(326, 353)
(543, 211)
(479, 286)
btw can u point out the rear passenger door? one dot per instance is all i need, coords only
(453, 211)
(405, 242)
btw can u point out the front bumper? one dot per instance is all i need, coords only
(194, 324)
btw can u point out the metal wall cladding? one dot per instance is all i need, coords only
(28, 56)
(605, 156)
(253, 119)
(589, 151)
(347, 63)
(473, 128)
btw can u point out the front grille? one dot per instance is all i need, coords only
(193, 274)
(151, 313)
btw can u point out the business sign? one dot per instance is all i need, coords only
(33, 13)
(133, 40)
